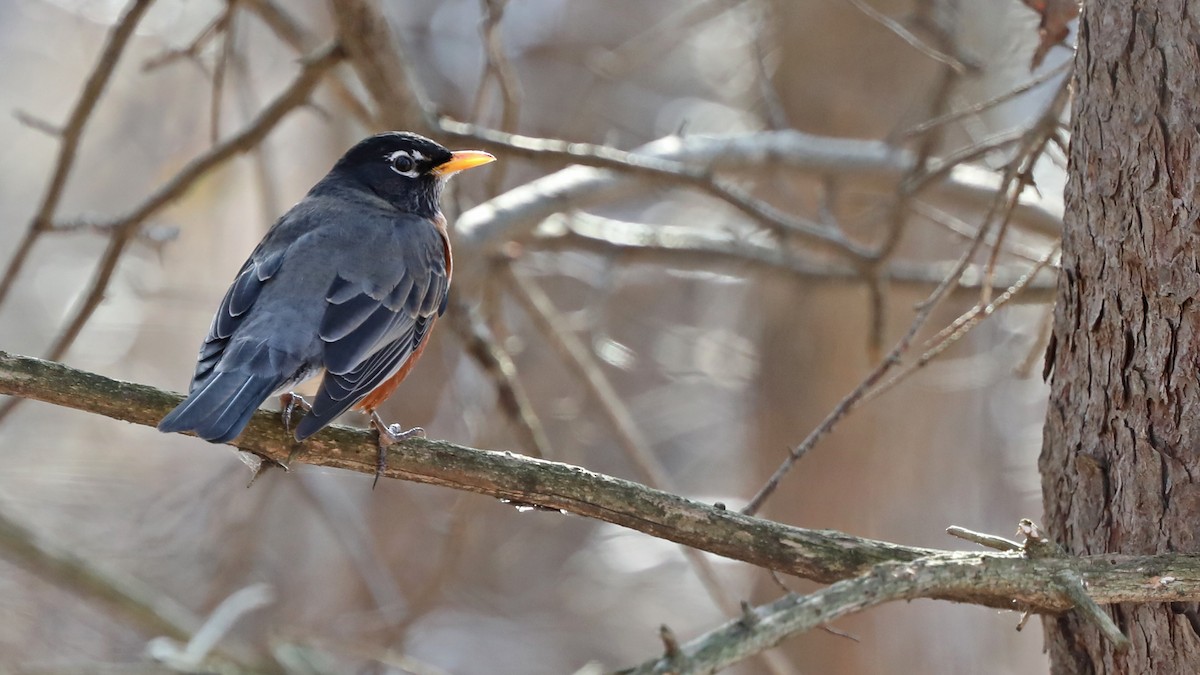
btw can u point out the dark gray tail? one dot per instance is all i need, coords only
(220, 408)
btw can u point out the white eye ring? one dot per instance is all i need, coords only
(403, 163)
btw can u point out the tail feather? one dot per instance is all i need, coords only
(221, 407)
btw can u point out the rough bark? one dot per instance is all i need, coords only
(1120, 444)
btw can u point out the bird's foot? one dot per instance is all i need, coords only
(389, 434)
(287, 410)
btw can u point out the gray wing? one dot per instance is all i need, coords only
(238, 300)
(378, 313)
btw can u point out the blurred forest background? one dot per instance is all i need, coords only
(724, 342)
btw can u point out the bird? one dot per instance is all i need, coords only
(347, 284)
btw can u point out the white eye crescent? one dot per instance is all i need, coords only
(403, 163)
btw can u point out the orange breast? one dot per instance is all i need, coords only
(381, 393)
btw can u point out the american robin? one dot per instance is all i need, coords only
(348, 282)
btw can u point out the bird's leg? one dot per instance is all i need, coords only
(389, 434)
(287, 408)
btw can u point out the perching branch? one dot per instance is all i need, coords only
(1031, 580)
(813, 554)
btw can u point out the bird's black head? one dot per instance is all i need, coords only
(406, 169)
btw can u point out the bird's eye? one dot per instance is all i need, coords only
(402, 163)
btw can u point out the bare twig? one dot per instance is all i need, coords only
(968, 232)
(147, 610)
(987, 104)
(936, 576)
(498, 365)
(1001, 211)
(97, 80)
(197, 45)
(963, 325)
(660, 38)
(377, 57)
(911, 38)
(292, 33)
(983, 539)
(603, 156)
(1044, 129)
(629, 436)
(194, 656)
(689, 248)
(514, 215)
(1073, 585)
(852, 399)
(228, 36)
(774, 112)
(497, 68)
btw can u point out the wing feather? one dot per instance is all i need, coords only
(377, 317)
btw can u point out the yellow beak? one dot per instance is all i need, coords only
(462, 160)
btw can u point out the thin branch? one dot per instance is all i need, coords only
(1045, 128)
(774, 112)
(855, 397)
(660, 38)
(576, 356)
(911, 38)
(603, 156)
(124, 229)
(987, 104)
(688, 248)
(983, 539)
(963, 325)
(292, 32)
(514, 215)
(967, 232)
(117, 40)
(1001, 212)
(377, 57)
(496, 362)
(497, 68)
(145, 609)
(197, 45)
(224, 56)
(1074, 586)
(953, 576)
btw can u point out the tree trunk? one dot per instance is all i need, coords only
(1120, 454)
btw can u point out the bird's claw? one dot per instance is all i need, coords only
(389, 434)
(287, 408)
(396, 432)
